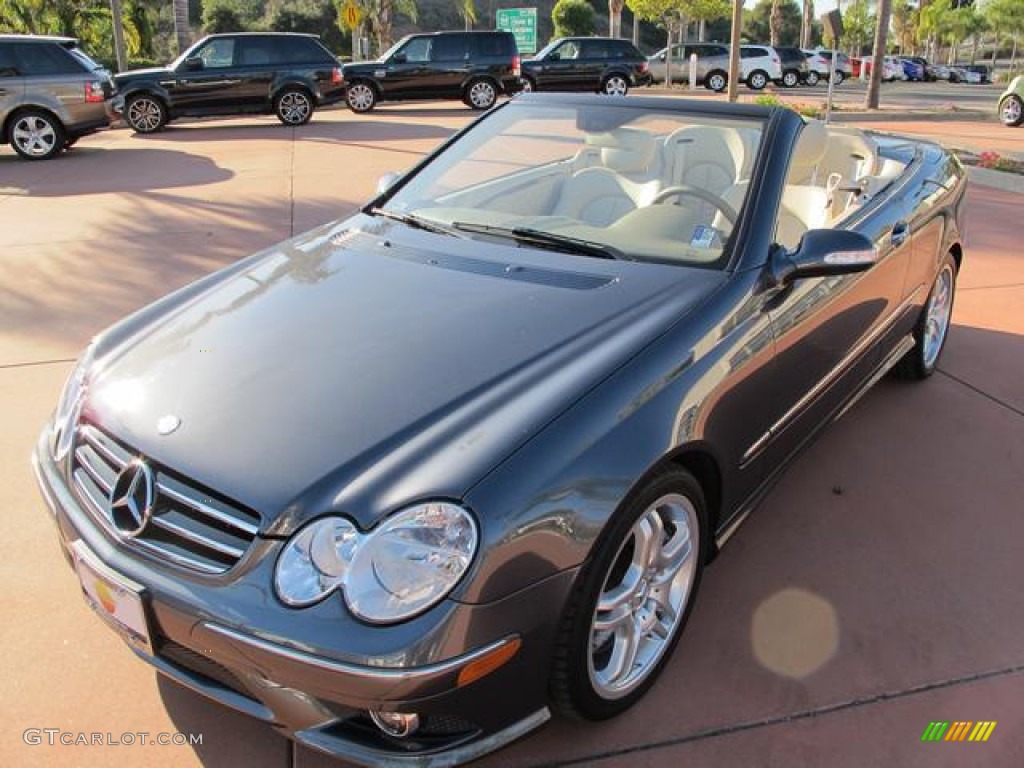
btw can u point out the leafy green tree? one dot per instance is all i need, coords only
(573, 18)
(757, 23)
(1006, 18)
(858, 27)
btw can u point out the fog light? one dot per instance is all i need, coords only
(395, 723)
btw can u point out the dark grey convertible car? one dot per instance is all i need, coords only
(402, 485)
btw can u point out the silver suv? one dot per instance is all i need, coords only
(51, 94)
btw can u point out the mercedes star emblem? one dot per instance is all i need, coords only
(131, 499)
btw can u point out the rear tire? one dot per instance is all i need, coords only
(615, 85)
(294, 106)
(1011, 111)
(631, 601)
(361, 97)
(36, 134)
(145, 113)
(932, 327)
(529, 86)
(480, 94)
(838, 77)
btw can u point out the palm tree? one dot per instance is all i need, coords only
(182, 34)
(615, 17)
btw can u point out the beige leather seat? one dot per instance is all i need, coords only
(704, 156)
(849, 157)
(805, 200)
(625, 179)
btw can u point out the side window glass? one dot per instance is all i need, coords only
(449, 48)
(417, 49)
(258, 52)
(41, 59)
(218, 53)
(569, 50)
(8, 66)
(593, 50)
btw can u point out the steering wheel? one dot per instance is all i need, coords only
(685, 190)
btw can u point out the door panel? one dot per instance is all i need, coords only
(215, 87)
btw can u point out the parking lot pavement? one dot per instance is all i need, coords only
(875, 590)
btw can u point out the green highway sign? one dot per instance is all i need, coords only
(521, 22)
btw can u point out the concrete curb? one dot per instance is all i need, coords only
(1007, 182)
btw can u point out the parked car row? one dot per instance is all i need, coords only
(759, 65)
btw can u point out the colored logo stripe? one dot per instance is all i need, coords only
(934, 731)
(958, 730)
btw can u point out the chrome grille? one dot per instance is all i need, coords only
(189, 527)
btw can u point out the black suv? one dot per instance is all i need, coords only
(472, 66)
(51, 94)
(604, 64)
(229, 74)
(794, 66)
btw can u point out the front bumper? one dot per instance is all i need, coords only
(309, 684)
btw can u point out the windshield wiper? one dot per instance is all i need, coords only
(540, 238)
(416, 222)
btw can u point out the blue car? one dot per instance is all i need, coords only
(913, 70)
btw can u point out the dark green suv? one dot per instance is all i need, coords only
(51, 94)
(230, 74)
(473, 66)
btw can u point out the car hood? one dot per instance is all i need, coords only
(362, 68)
(151, 73)
(366, 365)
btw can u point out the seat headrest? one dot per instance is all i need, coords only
(810, 147)
(624, 150)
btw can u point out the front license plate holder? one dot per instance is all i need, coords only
(115, 599)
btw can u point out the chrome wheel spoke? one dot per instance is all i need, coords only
(648, 534)
(624, 653)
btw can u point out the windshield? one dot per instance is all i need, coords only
(615, 181)
(391, 51)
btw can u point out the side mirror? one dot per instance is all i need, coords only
(387, 181)
(194, 63)
(824, 253)
(399, 58)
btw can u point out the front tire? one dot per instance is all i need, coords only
(838, 77)
(36, 135)
(757, 80)
(632, 599)
(932, 327)
(361, 97)
(615, 85)
(717, 81)
(145, 113)
(529, 86)
(481, 95)
(1011, 111)
(790, 79)
(812, 78)
(294, 106)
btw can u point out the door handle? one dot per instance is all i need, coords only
(900, 233)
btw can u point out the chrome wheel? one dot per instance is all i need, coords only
(35, 136)
(616, 85)
(812, 78)
(790, 79)
(937, 313)
(838, 77)
(145, 114)
(528, 86)
(361, 97)
(482, 95)
(1011, 111)
(294, 107)
(644, 596)
(757, 80)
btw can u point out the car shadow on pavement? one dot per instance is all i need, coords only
(356, 129)
(85, 170)
(62, 293)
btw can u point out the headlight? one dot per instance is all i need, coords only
(68, 407)
(396, 571)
